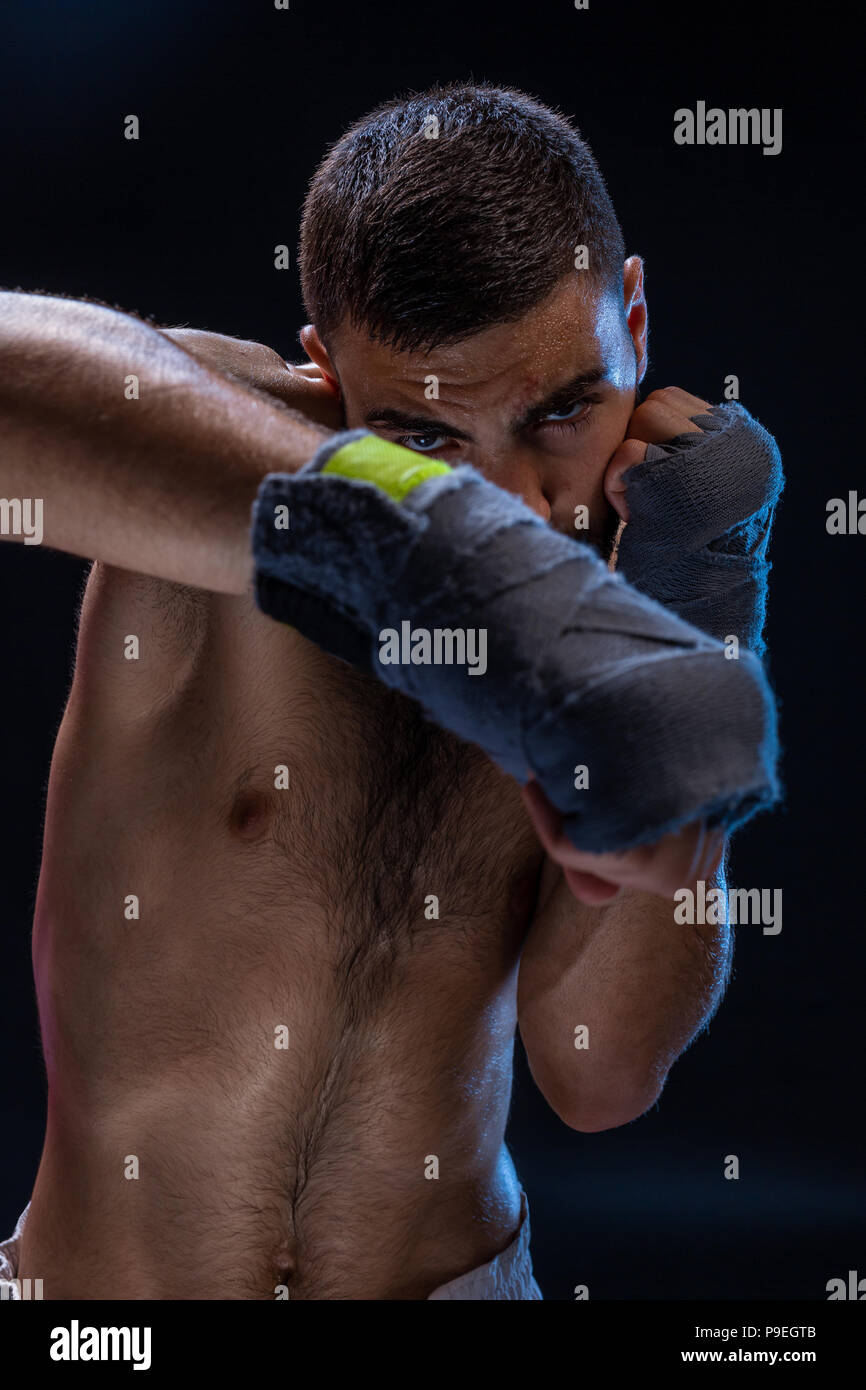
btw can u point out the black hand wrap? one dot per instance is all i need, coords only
(581, 669)
(700, 514)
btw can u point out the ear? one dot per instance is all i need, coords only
(318, 353)
(636, 311)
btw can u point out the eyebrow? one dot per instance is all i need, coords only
(563, 395)
(557, 400)
(417, 423)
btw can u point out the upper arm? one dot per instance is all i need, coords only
(260, 368)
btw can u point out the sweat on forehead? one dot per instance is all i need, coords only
(570, 333)
(520, 405)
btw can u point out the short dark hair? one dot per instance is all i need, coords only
(423, 242)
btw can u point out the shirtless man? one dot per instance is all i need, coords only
(268, 1066)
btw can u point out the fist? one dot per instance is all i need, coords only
(660, 868)
(660, 419)
(698, 500)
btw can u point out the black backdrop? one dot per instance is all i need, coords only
(752, 267)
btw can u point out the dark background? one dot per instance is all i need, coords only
(752, 262)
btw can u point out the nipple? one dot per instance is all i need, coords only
(250, 814)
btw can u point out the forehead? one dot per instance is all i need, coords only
(572, 330)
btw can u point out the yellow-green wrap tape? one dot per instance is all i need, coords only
(390, 466)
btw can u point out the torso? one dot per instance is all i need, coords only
(287, 1038)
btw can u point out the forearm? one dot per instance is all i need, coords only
(578, 666)
(142, 456)
(641, 985)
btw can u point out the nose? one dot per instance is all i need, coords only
(518, 473)
(538, 502)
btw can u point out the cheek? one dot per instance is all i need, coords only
(579, 470)
(613, 427)
(583, 458)
(602, 443)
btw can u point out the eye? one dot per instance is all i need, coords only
(566, 422)
(570, 412)
(423, 443)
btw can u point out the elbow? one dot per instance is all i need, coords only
(590, 1110)
(609, 1112)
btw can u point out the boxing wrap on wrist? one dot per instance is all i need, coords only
(700, 513)
(371, 540)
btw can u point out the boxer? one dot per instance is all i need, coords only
(295, 901)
